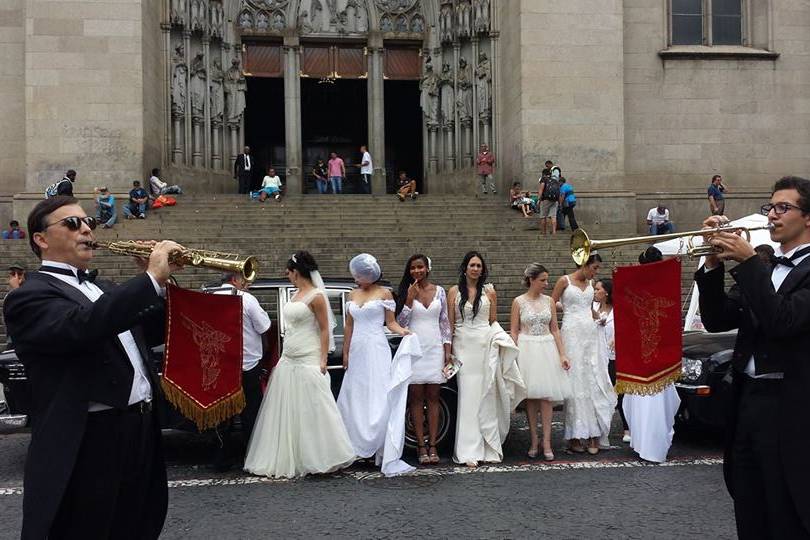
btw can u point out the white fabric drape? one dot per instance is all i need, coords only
(317, 281)
(409, 350)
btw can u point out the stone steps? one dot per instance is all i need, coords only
(334, 228)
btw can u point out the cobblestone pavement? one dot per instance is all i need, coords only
(611, 495)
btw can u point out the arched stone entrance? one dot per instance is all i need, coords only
(437, 53)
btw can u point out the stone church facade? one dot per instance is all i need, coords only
(638, 100)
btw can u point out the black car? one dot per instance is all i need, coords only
(705, 383)
(273, 295)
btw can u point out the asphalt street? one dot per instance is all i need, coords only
(610, 495)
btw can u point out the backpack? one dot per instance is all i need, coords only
(552, 190)
(53, 189)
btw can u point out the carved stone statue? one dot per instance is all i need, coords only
(304, 27)
(179, 90)
(217, 95)
(417, 24)
(178, 12)
(464, 20)
(447, 85)
(464, 91)
(483, 72)
(278, 21)
(481, 12)
(429, 99)
(245, 20)
(385, 24)
(401, 24)
(361, 18)
(446, 23)
(316, 16)
(198, 87)
(262, 21)
(333, 11)
(235, 88)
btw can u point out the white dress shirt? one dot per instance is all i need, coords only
(141, 389)
(366, 169)
(778, 276)
(255, 322)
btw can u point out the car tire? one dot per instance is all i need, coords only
(447, 422)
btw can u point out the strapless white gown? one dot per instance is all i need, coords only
(299, 430)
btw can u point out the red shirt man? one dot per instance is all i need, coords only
(485, 162)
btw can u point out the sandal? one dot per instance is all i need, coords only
(423, 456)
(433, 455)
(548, 456)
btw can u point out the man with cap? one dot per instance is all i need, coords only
(16, 275)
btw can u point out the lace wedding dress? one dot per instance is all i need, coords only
(589, 410)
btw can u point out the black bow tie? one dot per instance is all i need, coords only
(788, 261)
(83, 275)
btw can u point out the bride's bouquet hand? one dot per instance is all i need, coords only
(405, 332)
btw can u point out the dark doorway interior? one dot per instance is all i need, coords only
(264, 126)
(403, 132)
(334, 118)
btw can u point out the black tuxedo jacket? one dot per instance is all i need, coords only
(72, 356)
(775, 327)
(239, 165)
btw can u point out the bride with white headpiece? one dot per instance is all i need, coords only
(299, 430)
(364, 394)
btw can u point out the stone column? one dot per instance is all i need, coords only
(187, 124)
(196, 156)
(216, 157)
(292, 115)
(474, 62)
(376, 119)
(168, 138)
(457, 123)
(207, 141)
(433, 158)
(450, 149)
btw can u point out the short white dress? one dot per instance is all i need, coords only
(539, 359)
(432, 325)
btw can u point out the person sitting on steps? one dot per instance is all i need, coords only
(407, 187)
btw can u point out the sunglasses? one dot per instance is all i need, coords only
(16, 273)
(74, 223)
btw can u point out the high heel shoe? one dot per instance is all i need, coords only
(548, 456)
(423, 455)
(433, 455)
(531, 454)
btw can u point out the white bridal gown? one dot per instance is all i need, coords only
(363, 399)
(299, 430)
(589, 410)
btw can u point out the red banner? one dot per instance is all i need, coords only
(647, 307)
(202, 367)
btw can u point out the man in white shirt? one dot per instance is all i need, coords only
(255, 327)
(658, 220)
(271, 185)
(158, 187)
(769, 424)
(366, 169)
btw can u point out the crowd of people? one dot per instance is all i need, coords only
(86, 476)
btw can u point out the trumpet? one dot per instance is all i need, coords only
(248, 267)
(582, 246)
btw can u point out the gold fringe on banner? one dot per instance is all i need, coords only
(208, 417)
(641, 388)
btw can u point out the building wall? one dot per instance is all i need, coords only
(687, 119)
(84, 92)
(12, 96)
(154, 95)
(509, 95)
(572, 92)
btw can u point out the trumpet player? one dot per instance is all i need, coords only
(95, 466)
(769, 433)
